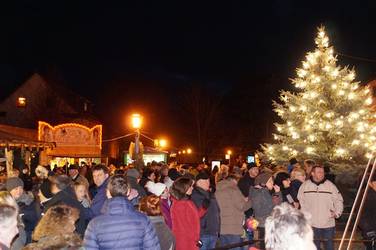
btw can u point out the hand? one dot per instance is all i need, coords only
(333, 214)
(133, 194)
(277, 189)
(296, 205)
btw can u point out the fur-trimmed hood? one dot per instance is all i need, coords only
(69, 241)
(26, 198)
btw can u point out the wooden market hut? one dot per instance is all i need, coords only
(42, 98)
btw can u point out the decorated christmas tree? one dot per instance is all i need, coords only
(328, 118)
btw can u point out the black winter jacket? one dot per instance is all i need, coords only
(210, 222)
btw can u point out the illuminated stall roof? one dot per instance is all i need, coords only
(17, 137)
(72, 139)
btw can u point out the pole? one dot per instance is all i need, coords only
(362, 203)
(355, 202)
(137, 143)
(139, 162)
(9, 161)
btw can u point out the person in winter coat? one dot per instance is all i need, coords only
(63, 194)
(76, 177)
(26, 178)
(55, 230)
(8, 225)
(248, 180)
(210, 222)
(147, 176)
(173, 174)
(288, 228)
(367, 222)
(120, 226)
(160, 190)
(321, 198)
(263, 200)
(298, 176)
(232, 213)
(100, 177)
(185, 215)
(151, 206)
(26, 204)
(282, 180)
(133, 179)
(19, 240)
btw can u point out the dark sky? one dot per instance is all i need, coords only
(129, 55)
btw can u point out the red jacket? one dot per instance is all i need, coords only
(186, 224)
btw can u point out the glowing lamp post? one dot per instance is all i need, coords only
(136, 124)
(228, 156)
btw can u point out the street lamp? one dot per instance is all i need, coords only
(228, 156)
(189, 151)
(162, 143)
(136, 124)
(136, 121)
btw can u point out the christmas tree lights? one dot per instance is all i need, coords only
(328, 118)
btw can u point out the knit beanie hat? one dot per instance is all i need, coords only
(45, 188)
(173, 174)
(13, 182)
(202, 176)
(280, 178)
(293, 161)
(155, 188)
(251, 165)
(133, 173)
(262, 179)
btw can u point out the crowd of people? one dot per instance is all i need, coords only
(174, 206)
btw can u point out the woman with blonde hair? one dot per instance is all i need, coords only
(56, 230)
(298, 176)
(20, 240)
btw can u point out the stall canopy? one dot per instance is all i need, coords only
(20, 137)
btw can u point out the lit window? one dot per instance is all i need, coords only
(21, 102)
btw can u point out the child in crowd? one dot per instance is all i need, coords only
(82, 194)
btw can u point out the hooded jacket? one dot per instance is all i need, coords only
(262, 203)
(319, 199)
(165, 236)
(28, 213)
(67, 197)
(232, 205)
(210, 222)
(67, 241)
(120, 226)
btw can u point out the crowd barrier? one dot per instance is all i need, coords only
(250, 242)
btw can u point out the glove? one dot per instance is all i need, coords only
(206, 203)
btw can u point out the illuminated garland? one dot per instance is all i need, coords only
(41, 124)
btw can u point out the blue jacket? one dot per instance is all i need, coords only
(120, 227)
(98, 201)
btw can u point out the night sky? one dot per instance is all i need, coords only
(155, 58)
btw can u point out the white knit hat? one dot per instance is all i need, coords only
(155, 188)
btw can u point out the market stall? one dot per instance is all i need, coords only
(75, 143)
